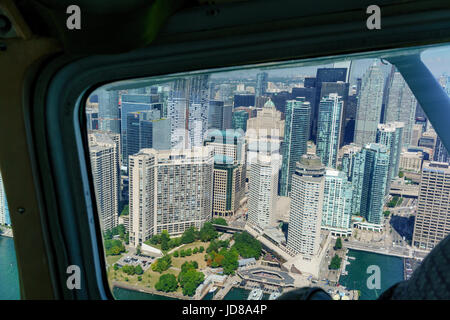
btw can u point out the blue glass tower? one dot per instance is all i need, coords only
(296, 134)
(329, 129)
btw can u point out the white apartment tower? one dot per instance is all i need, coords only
(263, 186)
(169, 190)
(306, 206)
(104, 154)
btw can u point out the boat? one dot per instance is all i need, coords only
(255, 294)
(212, 289)
(274, 295)
(351, 258)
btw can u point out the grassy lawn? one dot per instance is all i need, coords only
(199, 257)
(150, 277)
(110, 260)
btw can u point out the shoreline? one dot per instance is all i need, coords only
(117, 284)
(380, 253)
(7, 235)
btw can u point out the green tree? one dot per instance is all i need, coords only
(338, 244)
(190, 280)
(176, 254)
(138, 250)
(129, 269)
(138, 270)
(207, 232)
(335, 263)
(167, 283)
(189, 252)
(195, 250)
(230, 261)
(162, 264)
(201, 249)
(386, 213)
(246, 245)
(189, 235)
(401, 174)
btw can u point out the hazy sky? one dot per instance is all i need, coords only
(436, 59)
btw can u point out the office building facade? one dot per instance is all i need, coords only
(432, 223)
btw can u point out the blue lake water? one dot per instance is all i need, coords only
(9, 279)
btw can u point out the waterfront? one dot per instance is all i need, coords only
(126, 294)
(391, 272)
(9, 280)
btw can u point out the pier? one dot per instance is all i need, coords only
(396, 252)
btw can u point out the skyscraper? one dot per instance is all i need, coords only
(432, 223)
(108, 110)
(374, 182)
(416, 134)
(369, 106)
(401, 105)
(440, 152)
(337, 203)
(341, 88)
(169, 190)
(324, 75)
(329, 129)
(133, 103)
(296, 133)
(187, 109)
(261, 83)
(239, 120)
(390, 135)
(104, 148)
(146, 130)
(262, 186)
(267, 123)
(4, 211)
(353, 164)
(306, 206)
(219, 115)
(229, 170)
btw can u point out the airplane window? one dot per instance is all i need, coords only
(9, 288)
(246, 184)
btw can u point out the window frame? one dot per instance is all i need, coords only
(57, 128)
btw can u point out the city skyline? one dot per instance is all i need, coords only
(295, 163)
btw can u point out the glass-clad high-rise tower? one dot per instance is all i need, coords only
(369, 106)
(374, 182)
(296, 134)
(390, 135)
(329, 129)
(337, 203)
(401, 105)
